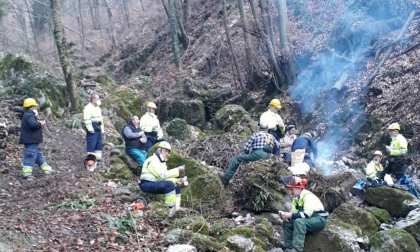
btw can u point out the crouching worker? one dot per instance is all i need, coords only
(374, 168)
(157, 179)
(307, 215)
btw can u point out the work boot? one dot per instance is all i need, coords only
(50, 172)
(29, 177)
(223, 179)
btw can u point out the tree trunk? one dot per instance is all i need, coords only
(173, 22)
(182, 35)
(82, 29)
(33, 30)
(284, 43)
(112, 32)
(60, 41)
(247, 40)
(271, 53)
(126, 12)
(187, 11)
(235, 59)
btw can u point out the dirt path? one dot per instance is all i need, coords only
(65, 211)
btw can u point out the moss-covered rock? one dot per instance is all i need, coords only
(235, 119)
(221, 228)
(205, 190)
(240, 243)
(200, 241)
(156, 212)
(192, 111)
(264, 232)
(124, 103)
(119, 170)
(337, 236)
(197, 224)
(357, 216)
(396, 202)
(177, 128)
(393, 241)
(244, 231)
(411, 224)
(381, 214)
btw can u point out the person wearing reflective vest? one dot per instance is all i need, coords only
(149, 123)
(157, 179)
(135, 140)
(258, 147)
(31, 137)
(93, 120)
(396, 151)
(274, 121)
(307, 214)
(375, 168)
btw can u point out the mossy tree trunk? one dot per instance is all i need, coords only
(111, 29)
(60, 41)
(284, 41)
(247, 39)
(173, 23)
(235, 59)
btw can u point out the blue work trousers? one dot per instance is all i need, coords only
(33, 155)
(94, 141)
(138, 155)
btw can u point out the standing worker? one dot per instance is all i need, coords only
(397, 151)
(274, 121)
(305, 142)
(149, 123)
(94, 124)
(307, 215)
(31, 137)
(157, 179)
(258, 147)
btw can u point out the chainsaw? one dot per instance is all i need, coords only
(137, 204)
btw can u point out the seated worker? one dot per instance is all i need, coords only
(374, 168)
(259, 146)
(156, 178)
(305, 142)
(135, 140)
(286, 143)
(274, 121)
(307, 215)
(149, 123)
(396, 151)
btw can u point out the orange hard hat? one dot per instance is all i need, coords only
(90, 163)
(296, 182)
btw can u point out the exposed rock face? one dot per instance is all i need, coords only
(357, 216)
(411, 224)
(393, 241)
(337, 236)
(397, 202)
(234, 118)
(239, 243)
(192, 111)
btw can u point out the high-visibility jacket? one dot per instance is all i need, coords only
(398, 146)
(272, 119)
(155, 169)
(92, 114)
(149, 121)
(373, 170)
(307, 204)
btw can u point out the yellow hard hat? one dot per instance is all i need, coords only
(378, 152)
(29, 103)
(164, 145)
(276, 103)
(308, 134)
(394, 126)
(151, 105)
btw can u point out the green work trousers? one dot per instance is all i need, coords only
(294, 231)
(246, 158)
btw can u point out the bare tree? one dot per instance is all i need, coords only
(173, 23)
(186, 6)
(34, 32)
(111, 29)
(82, 28)
(126, 12)
(235, 59)
(60, 41)
(247, 40)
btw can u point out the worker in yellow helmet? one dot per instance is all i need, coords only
(31, 137)
(274, 121)
(396, 151)
(149, 123)
(93, 120)
(157, 179)
(375, 168)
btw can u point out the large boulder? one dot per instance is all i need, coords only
(235, 119)
(178, 129)
(337, 236)
(239, 243)
(192, 111)
(411, 224)
(124, 102)
(357, 216)
(118, 169)
(395, 240)
(397, 202)
(382, 215)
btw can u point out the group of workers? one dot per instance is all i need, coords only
(307, 214)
